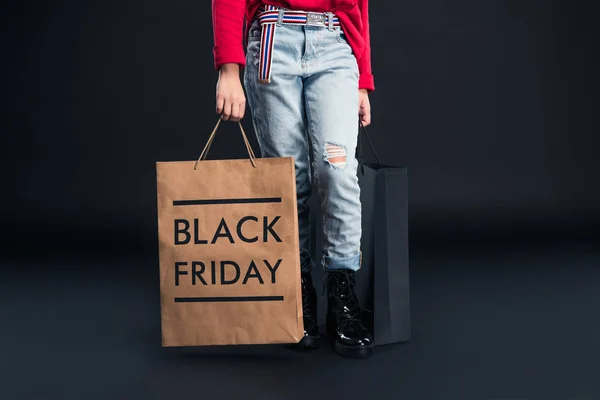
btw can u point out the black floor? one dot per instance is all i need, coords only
(497, 324)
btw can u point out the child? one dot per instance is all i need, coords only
(307, 76)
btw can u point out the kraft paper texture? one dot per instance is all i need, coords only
(201, 212)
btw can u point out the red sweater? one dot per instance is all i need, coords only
(229, 36)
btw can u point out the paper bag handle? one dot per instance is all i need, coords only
(360, 149)
(204, 153)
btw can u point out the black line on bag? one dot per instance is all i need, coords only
(226, 299)
(227, 201)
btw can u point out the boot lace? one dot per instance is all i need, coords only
(306, 306)
(345, 297)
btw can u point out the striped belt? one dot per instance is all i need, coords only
(272, 17)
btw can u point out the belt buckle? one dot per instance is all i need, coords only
(315, 19)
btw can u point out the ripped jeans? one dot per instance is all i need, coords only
(312, 96)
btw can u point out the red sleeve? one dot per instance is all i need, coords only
(228, 26)
(365, 80)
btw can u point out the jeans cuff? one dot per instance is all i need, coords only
(333, 263)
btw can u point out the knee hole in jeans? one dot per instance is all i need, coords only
(335, 155)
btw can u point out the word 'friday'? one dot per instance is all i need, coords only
(200, 274)
(183, 235)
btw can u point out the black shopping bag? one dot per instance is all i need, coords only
(382, 283)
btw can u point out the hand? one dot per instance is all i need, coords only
(364, 107)
(231, 102)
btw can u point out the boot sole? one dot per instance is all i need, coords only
(354, 352)
(307, 343)
(349, 351)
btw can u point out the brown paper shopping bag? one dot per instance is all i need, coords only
(229, 251)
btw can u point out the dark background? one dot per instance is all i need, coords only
(492, 106)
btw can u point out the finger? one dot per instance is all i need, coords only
(366, 118)
(226, 111)
(241, 105)
(239, 111)
(235, 113)
(363, 114)
(242, 109)
(220, 103)
(235, 109)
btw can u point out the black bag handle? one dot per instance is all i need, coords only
(360, 157)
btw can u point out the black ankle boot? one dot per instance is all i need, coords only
(344, 324)
(309, 310)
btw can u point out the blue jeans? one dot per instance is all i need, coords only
(312, 96)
